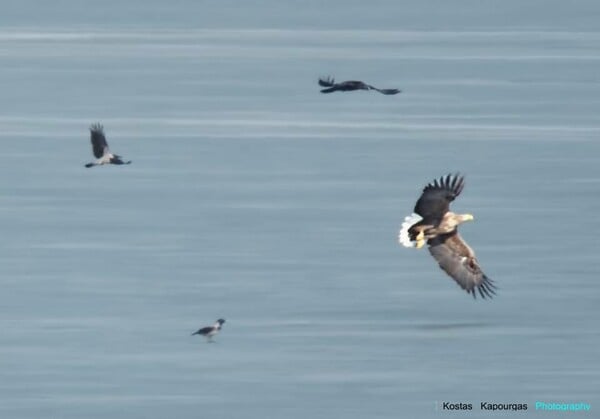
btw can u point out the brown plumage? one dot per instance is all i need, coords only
(433, 222)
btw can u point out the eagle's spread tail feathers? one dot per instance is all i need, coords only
(404, 236)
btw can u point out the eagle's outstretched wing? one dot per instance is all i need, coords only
(436, 197)
(458, 260)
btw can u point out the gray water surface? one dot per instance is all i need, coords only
(254, 198)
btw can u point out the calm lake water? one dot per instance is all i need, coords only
(255, 198)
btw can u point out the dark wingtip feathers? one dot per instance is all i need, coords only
(96, 127)
(326, 81)
(487, 289)
(389, 91)
(453, 183)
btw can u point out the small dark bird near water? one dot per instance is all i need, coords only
(433, 223)
(350, 85)
(209, 331)
(101, 150)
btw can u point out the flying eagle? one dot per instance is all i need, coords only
(434, 223)
(100, 148)
(350, 85)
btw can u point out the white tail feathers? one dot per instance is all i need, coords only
(403, 237)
